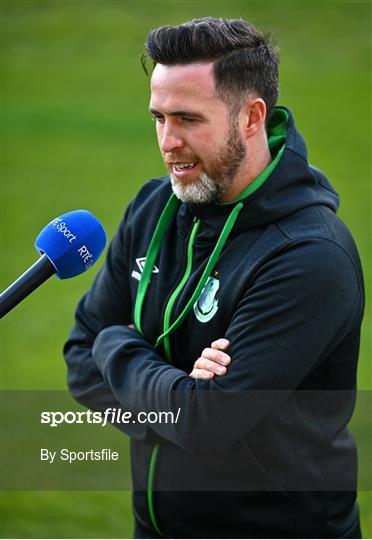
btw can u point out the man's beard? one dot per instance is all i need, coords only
(210, 186)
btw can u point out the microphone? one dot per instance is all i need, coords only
(68, 245)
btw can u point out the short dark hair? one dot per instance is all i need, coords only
(243, 58)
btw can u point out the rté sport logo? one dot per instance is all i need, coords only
(83, 251)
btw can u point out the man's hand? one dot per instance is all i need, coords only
(212, 361)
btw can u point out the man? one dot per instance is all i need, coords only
(232, 293)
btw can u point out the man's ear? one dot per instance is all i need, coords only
(255, 116)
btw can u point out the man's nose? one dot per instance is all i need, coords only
(169, 139)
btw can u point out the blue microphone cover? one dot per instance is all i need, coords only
(72, 242)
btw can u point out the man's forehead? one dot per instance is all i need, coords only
(194, 79)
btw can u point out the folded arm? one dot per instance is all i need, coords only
(302, 303)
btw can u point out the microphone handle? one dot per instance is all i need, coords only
(26, 284)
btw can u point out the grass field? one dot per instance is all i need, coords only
(76, 134)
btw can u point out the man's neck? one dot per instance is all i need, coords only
(257, 161)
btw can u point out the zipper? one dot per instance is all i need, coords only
(167, 349)
(168, 327)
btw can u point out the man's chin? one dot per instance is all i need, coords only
(201, 191)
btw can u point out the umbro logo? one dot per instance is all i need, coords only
(141, 263)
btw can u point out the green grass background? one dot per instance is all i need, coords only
(76, 134)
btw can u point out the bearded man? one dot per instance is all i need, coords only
(233, 295)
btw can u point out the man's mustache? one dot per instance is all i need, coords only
(171, 159)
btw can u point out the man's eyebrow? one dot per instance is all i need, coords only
(187, 114)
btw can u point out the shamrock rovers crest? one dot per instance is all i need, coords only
(207, 305)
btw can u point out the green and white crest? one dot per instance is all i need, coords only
(207, 305)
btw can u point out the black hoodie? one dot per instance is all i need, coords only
(264, 450)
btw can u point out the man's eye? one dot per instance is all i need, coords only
(188, 120)
(159, 119)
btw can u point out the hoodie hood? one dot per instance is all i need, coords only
(292, 185)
